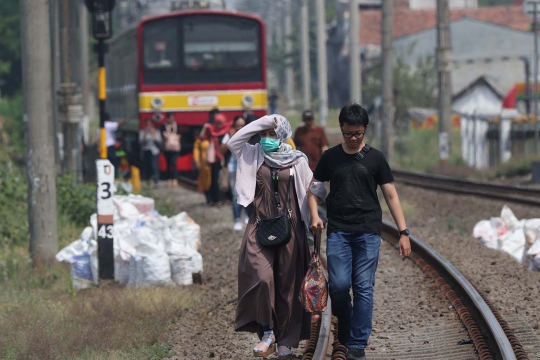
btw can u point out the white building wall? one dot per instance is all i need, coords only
(432, 4)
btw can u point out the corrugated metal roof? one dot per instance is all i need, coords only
(471, 40)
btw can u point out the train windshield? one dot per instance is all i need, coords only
(202, 49)
(219, 44)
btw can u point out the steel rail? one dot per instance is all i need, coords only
(520, 194)
(493, 331)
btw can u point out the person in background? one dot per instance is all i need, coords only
(269, 279)
(273, 101)
(200, 150)
(111, 127)
(311, 139)
(212, 114)
(150, 141)
(214, 133)
(355, 170)
(238, 124)
(171, 139)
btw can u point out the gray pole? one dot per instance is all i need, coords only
(57, 126)
(289, 75)
(354, 53)
(85, 84)
(321, 62)
(40, 169)
(535, 76)
(387, 81)
(444, 53)
(306, 71)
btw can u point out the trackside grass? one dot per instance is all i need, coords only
(42, 317)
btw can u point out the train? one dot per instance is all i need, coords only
(187, 63)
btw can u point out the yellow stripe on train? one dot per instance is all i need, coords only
(203, 100)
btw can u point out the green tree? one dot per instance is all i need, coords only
(10, 47)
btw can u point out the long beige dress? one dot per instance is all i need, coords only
(269, 280)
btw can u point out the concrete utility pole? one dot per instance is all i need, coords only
(535, 77)
(387, 115)
(40, 169)
(85, 62)
(306, 70)
(289, 75)
(57, 127)
(354, 53)
(321, 62)
(444, 55)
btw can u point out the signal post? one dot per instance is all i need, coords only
(102, 30)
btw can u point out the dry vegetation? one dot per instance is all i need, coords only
(42, 317)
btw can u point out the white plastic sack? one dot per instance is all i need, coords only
(498, 226)
(88, 234)
(534, 255)
(509, 219)
(513, 243)
(122, 267)
(82, 256)
(144, 205)
(184, 266)
(126, 210)
(154, 270)
(532, 230)
(181, 275)
(485, 233)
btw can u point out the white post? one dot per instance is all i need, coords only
(354, 53)
(321, 63)
(306, 70)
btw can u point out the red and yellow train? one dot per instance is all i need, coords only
(187, 63)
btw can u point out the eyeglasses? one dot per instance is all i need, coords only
(348, 134)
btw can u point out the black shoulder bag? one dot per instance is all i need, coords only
(275, 232)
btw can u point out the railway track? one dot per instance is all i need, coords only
(489, 333)
(519, 194)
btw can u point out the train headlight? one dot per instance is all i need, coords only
(247, 101)
(157, 117)
(157, 103)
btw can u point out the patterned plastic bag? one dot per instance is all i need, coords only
(314, 291)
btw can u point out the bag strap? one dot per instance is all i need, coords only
(317, 244)
(274, 173)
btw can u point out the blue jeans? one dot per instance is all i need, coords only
(236, 208)
(352, 260)
(151, 166)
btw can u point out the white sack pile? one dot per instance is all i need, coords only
(149, 249)
(518, 238)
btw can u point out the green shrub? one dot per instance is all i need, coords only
(76, 201)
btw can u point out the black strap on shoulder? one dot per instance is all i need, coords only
(275, 182)
(366, 148)
(360, 155)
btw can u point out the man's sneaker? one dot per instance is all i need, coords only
(238, 226)
(356, 354)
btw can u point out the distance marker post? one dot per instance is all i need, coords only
(102, 30)
(105, 212)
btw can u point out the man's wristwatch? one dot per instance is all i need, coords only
(405, 232)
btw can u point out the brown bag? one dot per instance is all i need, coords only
(172, 143)
(224, 179)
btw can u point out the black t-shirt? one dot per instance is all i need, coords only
(353, 204)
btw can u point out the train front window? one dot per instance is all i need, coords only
(219, 43)
(160, 45)
(202, 49)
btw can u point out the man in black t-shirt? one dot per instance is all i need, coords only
(354, 170)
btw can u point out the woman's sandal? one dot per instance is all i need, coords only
(268, 342)
(285, 355)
